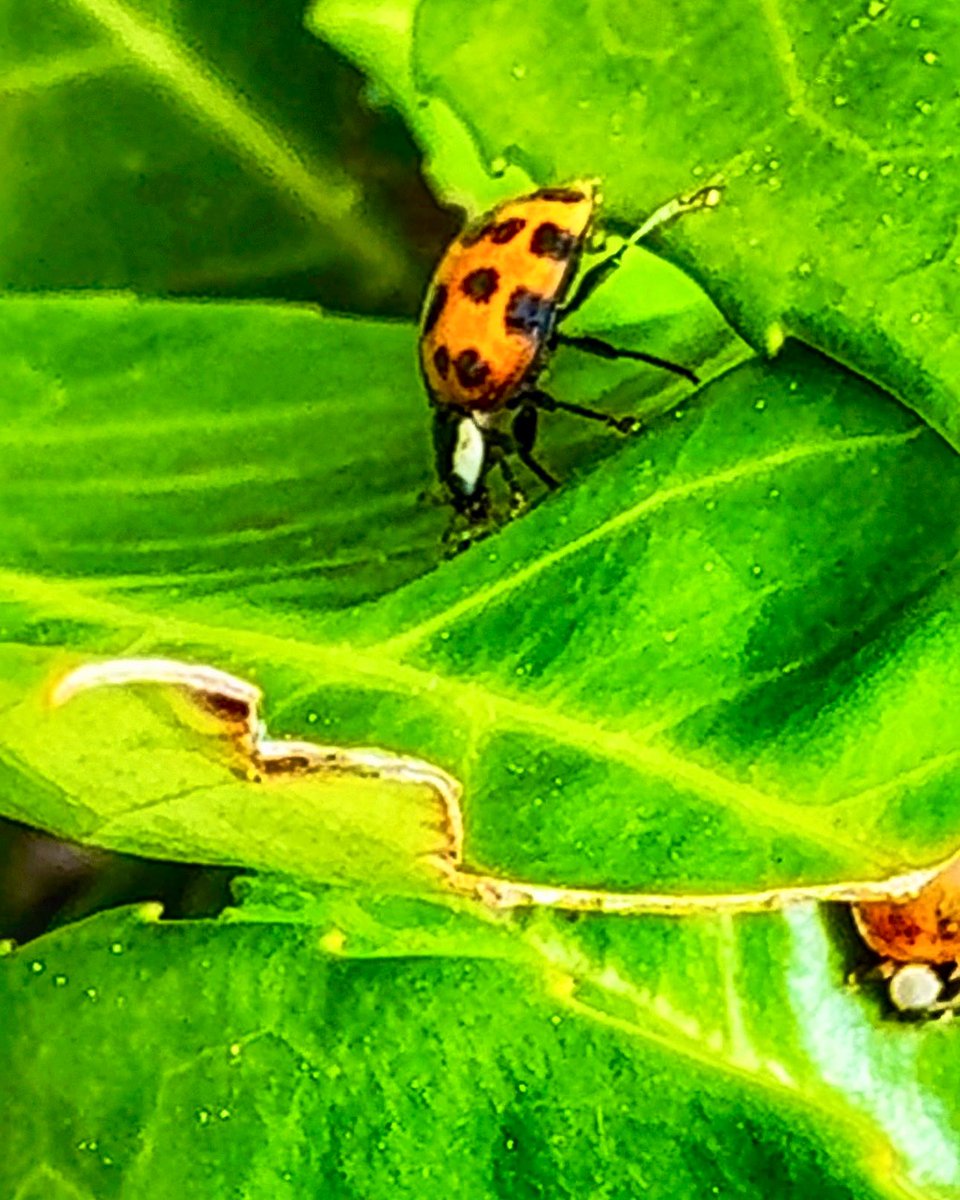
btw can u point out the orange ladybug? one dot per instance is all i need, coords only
(491, 319)
(919, 941)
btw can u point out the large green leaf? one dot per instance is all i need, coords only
(199, 148)
(724, 657)
(832, 125)
(609, 1060)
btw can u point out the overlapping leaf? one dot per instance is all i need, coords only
(832, 126)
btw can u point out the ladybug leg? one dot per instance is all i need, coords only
(500, 447)
(599, 273)
(549, 404)
(593, 345)
(524, 430)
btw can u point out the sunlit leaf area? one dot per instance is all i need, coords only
(371, 829)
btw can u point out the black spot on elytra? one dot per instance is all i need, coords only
(441, 360)
(480, 284)
(471, 370)
(529, 313)
(550, 241)
(506, 231)
(563, 195)
(435, 308)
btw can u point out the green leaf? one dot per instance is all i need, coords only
(721, 658)
(187, 147)
(245, 1061)
(833, 128)
(176, 449)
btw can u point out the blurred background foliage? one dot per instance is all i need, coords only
(134, 191)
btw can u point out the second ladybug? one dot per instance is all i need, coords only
(491, 319)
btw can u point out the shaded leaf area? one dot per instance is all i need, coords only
(723, 657)
(245, 1060)
(177, 449)
(833, 127)
(193, 148)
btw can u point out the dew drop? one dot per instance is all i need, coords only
(224, 1114)
(7, 946)
(805, 269)
(235, 1050)
(116, 947)
(37, 967)
(876, 8)
(757, 569)
(924, 107)
(915, 22)
(91, 993)
(670, 636)
(203, 1116)
(840, 101)
(930, 57)
(886, 168)
(760, 405)
(519, 71)
(709, 567)
(60, 981)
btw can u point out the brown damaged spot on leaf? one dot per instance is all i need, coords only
(235, 705)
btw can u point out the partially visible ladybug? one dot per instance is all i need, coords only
(919, 942)
(491, 320)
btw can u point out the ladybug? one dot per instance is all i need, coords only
(491, 319)
(919, 942)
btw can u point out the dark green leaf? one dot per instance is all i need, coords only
(245, 1061)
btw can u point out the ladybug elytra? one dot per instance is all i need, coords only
(918, 940)
(492, 318)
